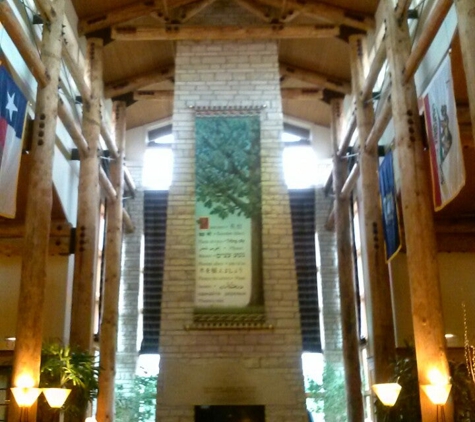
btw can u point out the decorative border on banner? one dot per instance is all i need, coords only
(229, 111)
(255, 321)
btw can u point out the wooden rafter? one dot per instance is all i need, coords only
(124, 14)
(333, 14)
(287, 94)
(153, 94)
(319, 79)
(124, 86)
(195, 9)
(199, 33)
(402, 6)
(12, 238)
(259, 11)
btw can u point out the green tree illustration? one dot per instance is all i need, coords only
(228, 178)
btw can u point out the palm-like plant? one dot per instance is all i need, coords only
(63, 366)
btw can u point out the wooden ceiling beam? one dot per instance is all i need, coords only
(125, 86)
(402, 6)
(124, 14)
(259, 11)
(12, 242)
(154, 94)
(318, 79)
(194, 10)
(301, 94)
(12, 229)
(15, 246)
(287, 94)
(200, 33)
(335, 14)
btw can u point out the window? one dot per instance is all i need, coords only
(302, 169)
(156, 180)
(158, 159)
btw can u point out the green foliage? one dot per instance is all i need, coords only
(62, 366)
(228, 165)
(463, 393)
(140, 404)
(407, 407)
(329, 396)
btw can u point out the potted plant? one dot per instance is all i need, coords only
(66, 367)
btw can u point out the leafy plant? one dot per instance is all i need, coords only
(330, 395)
(63, 366)
(139, 404)
(407, 407)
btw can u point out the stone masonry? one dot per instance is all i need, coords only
(332, 345)
(254, 367)
(130, 284)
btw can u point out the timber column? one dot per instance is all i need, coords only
(85, 258)
(466, 24)
(29, 330)
(381, 345)
(354, 397)
(419, 231)
(108, 337)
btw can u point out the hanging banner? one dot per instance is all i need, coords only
(387, 190)
(12, 121)
(446, 156)
(228, 211)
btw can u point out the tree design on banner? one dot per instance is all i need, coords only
(228, 211)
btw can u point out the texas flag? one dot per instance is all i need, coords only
(12, 119)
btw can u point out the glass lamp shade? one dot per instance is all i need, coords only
(437, 393)
(56, 396)
(25, 396)
(387, 392)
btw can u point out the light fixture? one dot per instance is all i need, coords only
(56, 396)
(387, 392)
(437, 393)
(25, 396)
(91, 419)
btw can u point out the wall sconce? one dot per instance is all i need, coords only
(56, 396)
(387, 392)
(25, 396)
(437, 393)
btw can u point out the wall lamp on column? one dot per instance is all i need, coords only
(25, 397)
(56, 396)
(387, 392)
(438, 395)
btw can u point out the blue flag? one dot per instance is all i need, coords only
(12, 119)
(389, 206)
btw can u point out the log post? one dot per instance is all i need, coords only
(85, 258)
(381, 344)
(419, 231)
(29, 328)
(466, 23)
(110, 316)
(354, 397)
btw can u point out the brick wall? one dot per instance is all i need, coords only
(329, 281)
(129, 289)
(229, 366)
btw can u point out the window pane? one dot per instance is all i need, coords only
(300, 167)
(158, 168)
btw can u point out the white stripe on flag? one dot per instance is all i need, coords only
(9, 173)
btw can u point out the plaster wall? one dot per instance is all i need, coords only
(456, 279)
(57, 301)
